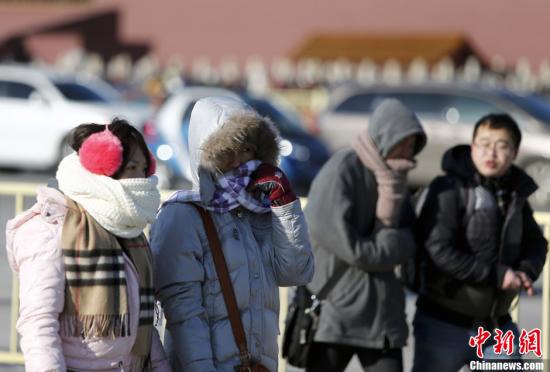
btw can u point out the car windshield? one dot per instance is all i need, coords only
(284, 122)
(531, 105)
(78, 92)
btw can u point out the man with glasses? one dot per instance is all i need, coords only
(480, 246)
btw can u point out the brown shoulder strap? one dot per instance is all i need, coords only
(226, 285)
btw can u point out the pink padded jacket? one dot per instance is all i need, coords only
(34, 253)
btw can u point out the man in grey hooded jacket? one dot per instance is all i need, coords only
(359, 216)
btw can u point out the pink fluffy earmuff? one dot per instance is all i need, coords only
(101, 153)
(152, 165)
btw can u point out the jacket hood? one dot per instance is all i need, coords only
(457, 161)
(222, 126)
(392, 122)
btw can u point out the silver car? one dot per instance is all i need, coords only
(448, 113)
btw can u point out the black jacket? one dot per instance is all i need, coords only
(466, 258)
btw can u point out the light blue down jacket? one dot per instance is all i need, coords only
(262, 251)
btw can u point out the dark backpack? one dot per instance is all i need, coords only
(410, 272)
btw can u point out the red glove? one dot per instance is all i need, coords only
(272, 182)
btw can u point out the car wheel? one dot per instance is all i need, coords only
(539, 170)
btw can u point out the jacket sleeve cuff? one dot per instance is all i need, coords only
(527, 268)
(287, 210)
(496, 276)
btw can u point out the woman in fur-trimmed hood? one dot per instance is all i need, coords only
(221, 132)
(233, 153)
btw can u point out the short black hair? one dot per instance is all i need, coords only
(130, 138)
(501, 121)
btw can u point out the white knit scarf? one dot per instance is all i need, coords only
(122, 207)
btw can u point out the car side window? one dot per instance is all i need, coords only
(18, 90)
(185, 120)
(426, 105)
(3, 89)
(78, 92)
(469, 110)
(358, 103)
(450, 108)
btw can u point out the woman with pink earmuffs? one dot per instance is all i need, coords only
(84, 265)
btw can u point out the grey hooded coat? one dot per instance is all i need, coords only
(366, 307)
(262, 251)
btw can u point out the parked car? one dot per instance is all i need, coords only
(36, 118)
(302, 154)
(448, 113)
(90, 90)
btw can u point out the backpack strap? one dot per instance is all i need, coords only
(467, 199)
(329, 285)
(420, 199)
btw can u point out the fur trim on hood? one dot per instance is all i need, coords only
(222, 126)
(241, 131)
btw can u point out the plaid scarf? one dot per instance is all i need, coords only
(230, 192)
(96, 303)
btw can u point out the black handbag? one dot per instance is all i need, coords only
(302, 320)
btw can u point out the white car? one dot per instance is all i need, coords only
(40, 107)
(97, 93)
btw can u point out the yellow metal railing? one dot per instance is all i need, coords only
(18, 191)
(544, 220)
(21, 190)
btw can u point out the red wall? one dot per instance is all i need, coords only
(510, 28)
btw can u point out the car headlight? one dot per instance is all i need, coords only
(165, 152)
(286, 147)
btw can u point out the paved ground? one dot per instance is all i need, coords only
(530, 317)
